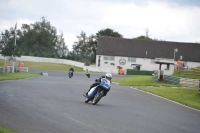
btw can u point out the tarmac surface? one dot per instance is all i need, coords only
(55, 104)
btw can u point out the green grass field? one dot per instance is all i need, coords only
(1, 63)
(185, 96)
(45, 66)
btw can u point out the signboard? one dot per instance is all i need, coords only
(122, 61)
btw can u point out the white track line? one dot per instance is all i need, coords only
(115, 83)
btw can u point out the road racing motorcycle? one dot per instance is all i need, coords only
(70, 74)
(88, 75)
(96, 93)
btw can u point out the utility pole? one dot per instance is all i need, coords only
(147, 33)
(15, 33)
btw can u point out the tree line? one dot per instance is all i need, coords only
(85, 48)
(41, 39)
(38, 39)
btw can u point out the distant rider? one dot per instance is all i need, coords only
(72, 70)
(98, 81)
(87, 72)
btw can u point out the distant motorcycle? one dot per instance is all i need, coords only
(97, 92)
(88, 75)
(70, 74)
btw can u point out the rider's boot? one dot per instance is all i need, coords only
(85, 94)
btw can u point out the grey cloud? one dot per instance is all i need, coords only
(144, 2)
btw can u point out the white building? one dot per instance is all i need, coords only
(145, 54)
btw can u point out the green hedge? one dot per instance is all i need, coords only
(139, 72)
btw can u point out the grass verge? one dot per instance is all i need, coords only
(4, 130)
(45, 66)
(140, 81)
(14, 76)
(182, 75)
(185, 96)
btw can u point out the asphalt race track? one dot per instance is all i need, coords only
(54, 104)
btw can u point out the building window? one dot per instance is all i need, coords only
(105, 57)
(112, 57)
(130, 59)
(109, 58)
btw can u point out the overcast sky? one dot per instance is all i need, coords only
(169, 20)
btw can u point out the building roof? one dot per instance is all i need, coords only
(112, 46)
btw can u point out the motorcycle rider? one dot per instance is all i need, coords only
(98, 81)
(72, 70)
(87, 72)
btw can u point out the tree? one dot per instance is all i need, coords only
(7, 44)
(147, 38)
(61, 47)
(81, 47)
(81, 44)
(108, 33)
(142, 38)
(38, 39)
(85, 48)
(4, 38)
(10, 49)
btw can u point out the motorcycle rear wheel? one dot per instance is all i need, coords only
(97, 97)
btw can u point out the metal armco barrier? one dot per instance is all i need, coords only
(171, 79)
(154, 78)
